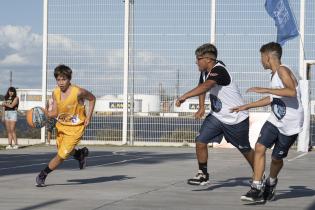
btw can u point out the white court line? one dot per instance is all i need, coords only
(301, 155)
(38, 164)
(122, 161)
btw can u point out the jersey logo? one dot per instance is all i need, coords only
(216, 104)
(68, 119)
(278, 108)
(213, 74)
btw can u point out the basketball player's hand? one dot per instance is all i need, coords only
(199, 114)
(87, 122)
(179, 101)
(239, 108)
(257, 90)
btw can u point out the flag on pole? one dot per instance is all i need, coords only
(280, 11)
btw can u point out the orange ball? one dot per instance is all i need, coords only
(36, 117)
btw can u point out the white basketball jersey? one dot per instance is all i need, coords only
(287, 112)
(223, 99)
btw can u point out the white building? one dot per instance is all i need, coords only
(111, 103)
(30, 98)
(142, 103)
(190, 105)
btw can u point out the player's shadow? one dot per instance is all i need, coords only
(95, 180)
(233, 182)
(294, 192)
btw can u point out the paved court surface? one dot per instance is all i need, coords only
(141, 178)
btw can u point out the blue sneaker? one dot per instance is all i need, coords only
(40, 179)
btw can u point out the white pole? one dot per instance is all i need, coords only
(126, 69)
(44, 62)
(304, 136)
(213, 21)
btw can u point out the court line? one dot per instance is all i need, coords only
(38, 164)
(118, 162)
(301, 155)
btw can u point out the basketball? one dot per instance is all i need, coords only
(36, 117)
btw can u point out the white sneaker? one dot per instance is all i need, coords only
(200, 179)
(9, 147)
(15, 147)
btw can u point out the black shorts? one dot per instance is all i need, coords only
(270, 135)
(212, 130)
(51, 124)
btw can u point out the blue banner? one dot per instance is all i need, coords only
(280, 11)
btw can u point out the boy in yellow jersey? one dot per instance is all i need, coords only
(68, 108)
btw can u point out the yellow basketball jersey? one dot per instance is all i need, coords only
(71, 114)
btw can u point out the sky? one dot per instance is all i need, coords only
(161, 50)
(21, 43)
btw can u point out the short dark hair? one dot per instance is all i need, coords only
(207, 49)
(272, 47)
(10, 89)
(64, 71)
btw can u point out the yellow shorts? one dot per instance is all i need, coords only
(66, 144)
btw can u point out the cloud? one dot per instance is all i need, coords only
(62, 42)
(19, 46)
(21, 54)
(15, 59)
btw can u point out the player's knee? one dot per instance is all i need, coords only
(278, 157)
(62, 157)
(259, 148)
(201, 145)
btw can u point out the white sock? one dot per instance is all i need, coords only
(272, 181)
(257, 184)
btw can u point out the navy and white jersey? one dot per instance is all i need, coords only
(224, 95)
(287, 112)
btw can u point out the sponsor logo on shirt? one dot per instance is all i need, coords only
(216, 104)
(278, 108)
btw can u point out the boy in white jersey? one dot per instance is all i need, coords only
(224, 95)
(282, 127)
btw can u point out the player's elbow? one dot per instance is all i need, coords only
(292, 93)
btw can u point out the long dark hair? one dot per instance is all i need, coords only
(11, 89)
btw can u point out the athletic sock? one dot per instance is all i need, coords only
(47, 170)
(257, 184)
(203, 167)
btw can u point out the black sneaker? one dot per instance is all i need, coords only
(270, 190)
(40, 179)
(84, 152)
(254, 195)
(199, 179)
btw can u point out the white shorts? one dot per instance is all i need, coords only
(10, 115)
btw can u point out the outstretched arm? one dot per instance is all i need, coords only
(200, 89)
(287, 80)
(262, 102)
